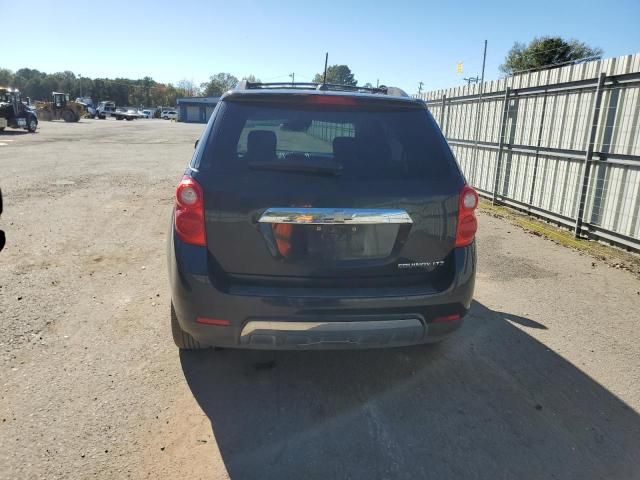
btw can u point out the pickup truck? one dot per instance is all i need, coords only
(109, 109)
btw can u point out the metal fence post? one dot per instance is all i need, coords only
(443, 115)
(588, 157)
(503, 124)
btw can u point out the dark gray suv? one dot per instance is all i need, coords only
(320, 216)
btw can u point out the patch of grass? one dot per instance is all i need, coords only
(612, 256)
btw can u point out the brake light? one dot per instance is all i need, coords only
(467, 222)
(330, 100)
(189, 212)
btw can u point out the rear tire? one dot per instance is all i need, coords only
(182, 339)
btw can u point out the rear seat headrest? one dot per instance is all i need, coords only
(261, 145)
(343, 146)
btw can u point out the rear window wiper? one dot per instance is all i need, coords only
(323, 167)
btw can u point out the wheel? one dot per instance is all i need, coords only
(32, 125)
(102, 117)
(129, 119)
(182, 339)
(68, 116)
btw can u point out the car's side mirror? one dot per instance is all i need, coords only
(196, 145)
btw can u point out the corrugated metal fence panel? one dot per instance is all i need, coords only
(618, 131)
(546, 134)
(614, 200)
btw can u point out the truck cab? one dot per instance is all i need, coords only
(14, 113)
(105, 109)
(59, 100)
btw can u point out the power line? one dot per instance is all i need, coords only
(479, 107)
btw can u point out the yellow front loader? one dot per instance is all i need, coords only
(60, 108)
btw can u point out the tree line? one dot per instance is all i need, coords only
(123, 91)
(221, 82)
(135, 92)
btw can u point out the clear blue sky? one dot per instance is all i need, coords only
(398, 42)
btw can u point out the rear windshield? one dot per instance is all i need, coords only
(367, 142)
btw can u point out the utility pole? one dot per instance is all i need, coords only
(293, 78)
(475, 79)
(377, 82)
(484, 61)
(479, 110)
(326, 61)
(420, 87)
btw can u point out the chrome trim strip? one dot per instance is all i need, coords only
(254, 326)
(331, 216)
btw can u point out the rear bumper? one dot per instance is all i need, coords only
(273, 334)
(308, 318)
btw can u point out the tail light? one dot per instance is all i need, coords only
(467, 222)
(189, 212)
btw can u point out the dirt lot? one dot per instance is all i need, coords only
(543, 381)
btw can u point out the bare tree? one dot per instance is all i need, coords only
(189, 87)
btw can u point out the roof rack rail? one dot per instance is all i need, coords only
(382, 89)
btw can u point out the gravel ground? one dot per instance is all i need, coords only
(543, 381)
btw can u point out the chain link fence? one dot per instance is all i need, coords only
(563, 144)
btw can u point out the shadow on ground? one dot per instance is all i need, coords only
(10, 133)
(491, 402)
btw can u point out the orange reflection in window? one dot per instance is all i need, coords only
(282, 232)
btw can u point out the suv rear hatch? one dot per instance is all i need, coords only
(328, 190)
